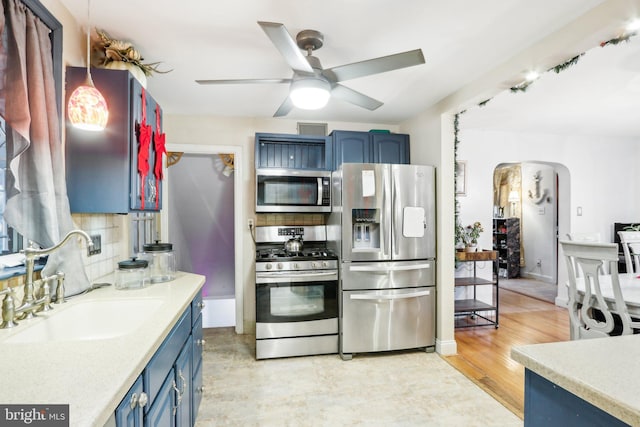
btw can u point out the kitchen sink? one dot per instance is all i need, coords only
(94, 319)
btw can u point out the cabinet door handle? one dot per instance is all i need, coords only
(134, 401)
(201, 305)
(200, 389)
(143, 400)
(201, 343)
(178, 397)
(184, 383)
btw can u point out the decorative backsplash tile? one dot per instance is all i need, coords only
(110, 228)
(289, 219)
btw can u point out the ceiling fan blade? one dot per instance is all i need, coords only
(287, 46)
(241, 81)
(374, 66)
(355, 97)
(285, 108)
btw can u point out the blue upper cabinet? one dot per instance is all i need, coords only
(285, 151)
(103, 172)
(369, 147)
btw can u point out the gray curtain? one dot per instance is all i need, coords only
(37, 204)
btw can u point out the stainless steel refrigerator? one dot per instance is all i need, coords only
(382, 226)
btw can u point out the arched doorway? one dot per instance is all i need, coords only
(537, 194)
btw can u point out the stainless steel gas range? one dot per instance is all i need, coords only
(296, 292)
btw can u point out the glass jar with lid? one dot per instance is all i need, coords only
(162, 262)
(132, 274)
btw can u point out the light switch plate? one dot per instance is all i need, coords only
(97, 245)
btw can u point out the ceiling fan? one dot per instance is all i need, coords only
(311, 85)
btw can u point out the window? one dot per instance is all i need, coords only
(10, 240)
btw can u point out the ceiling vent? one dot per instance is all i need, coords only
(319, 129)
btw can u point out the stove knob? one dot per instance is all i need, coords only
(313, 265)
(325, 264)
(279, 266)
(295, 265)
(268, 266)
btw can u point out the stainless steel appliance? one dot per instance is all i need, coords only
(293, 190)
(296, 294)
(382, 227)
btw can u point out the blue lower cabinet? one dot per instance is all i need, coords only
(184, 385)
(548, 404)
(161, 412)
(129, 413)
(168, 382)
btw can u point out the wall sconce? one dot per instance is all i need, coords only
(514, 199)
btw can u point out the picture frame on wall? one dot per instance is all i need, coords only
(461, 178)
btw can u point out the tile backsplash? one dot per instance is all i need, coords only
(113, 230)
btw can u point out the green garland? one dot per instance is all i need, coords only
(561, 67)
(618, 40)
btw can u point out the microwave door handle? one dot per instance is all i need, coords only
(319, 202)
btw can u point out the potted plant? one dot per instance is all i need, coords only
(468, 236)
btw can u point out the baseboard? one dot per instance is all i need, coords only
(446, 348)
(561, 301)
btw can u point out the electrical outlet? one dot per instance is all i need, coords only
(250, 223)
(539, 263)
(97, 245)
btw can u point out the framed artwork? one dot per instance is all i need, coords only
(461, 178)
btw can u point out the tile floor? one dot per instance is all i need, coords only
(411, 388)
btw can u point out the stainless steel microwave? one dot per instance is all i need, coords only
(293, 190)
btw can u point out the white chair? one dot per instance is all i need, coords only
(585, 237)
(593, 237)
(630, 241)
(589, 315)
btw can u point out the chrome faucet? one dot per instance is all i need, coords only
(30, 304)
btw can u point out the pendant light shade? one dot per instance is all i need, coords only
(310, 93)
(87, 109)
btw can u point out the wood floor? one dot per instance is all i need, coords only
(484, 352)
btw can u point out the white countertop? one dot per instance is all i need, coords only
(92, 376)
(603, 371)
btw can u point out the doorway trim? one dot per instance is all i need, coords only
(238, 206)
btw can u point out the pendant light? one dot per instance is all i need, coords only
(87, 108)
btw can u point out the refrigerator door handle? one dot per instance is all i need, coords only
(397, 213)
(387, 221)
(390, 297)
(384, 269)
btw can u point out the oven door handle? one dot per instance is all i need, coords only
(389, 268)
(295, 277)
(390, 297)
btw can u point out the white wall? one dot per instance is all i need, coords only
(601, 175)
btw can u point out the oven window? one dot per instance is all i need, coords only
(284, 302)
(297, 301)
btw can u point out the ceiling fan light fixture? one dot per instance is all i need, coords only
(310, 93)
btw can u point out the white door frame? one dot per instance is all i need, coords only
(238, 206)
